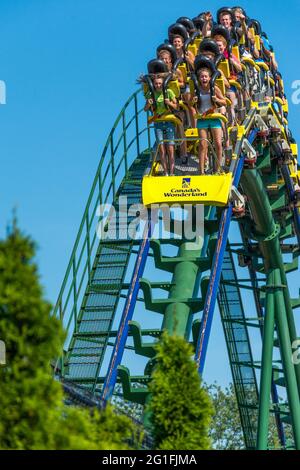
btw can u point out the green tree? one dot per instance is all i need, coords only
(180, 409)
(225, 429)
(32, 410)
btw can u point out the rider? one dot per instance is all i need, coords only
(207, 105)
(235, 65)
(164, 130)
(167, 54)
(189, 58)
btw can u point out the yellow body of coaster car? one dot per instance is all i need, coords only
(186, 189)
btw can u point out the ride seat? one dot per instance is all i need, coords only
(236, 52)
(197, 42)
(193, 48)
(174, 86)
(285, 107)
(257, 42)
(242, 40)
(224, 67)
(220, 83)
(183, 69)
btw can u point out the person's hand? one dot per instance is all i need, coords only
(214, 99)
(242, 18)
(208, 16)
(167, 102)
(195, 100)
(150, 101)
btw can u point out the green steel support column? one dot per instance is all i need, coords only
(176, 317)
(286, 355)
(266, 368)
(290, 321)
(265, 227)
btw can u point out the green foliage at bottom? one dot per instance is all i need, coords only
(180, 409)
(225, 430)
(32, 410)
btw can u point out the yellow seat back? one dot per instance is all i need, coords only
(174, 86)
(197, 42)
(257, 42)
(193, 48)
(294, 149)
(285, 107)
(252, 32)
(242, 41)
(192, 86)
(236, 52)
(182, 68)
(224, 67)
(220, 83)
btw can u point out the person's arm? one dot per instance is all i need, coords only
(226, 82)
(218, 98)
(244, 25)
(148, 104)
(274, 62)
(171, 101)
(179, 78)
(190, 58)
(206, 30)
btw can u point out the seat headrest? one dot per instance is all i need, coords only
(199, 22)
(171, 49)
(187, 23)
(178, 28)
(209, 45)
(222, 31)
(157, 66)
(203, 62)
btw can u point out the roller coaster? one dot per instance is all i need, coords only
(116, 282)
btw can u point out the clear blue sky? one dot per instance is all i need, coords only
(69, 65)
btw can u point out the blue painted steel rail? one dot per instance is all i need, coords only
(214, 281)
(127, 314)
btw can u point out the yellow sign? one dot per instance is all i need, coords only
(208, 190)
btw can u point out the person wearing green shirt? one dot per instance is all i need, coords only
(164, 130)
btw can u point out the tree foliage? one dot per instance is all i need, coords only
(180, 409)
(32, 410)
(225, 429)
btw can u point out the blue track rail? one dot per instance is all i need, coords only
(127, 314)
(212, 291)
